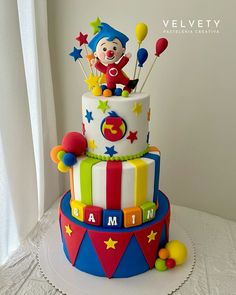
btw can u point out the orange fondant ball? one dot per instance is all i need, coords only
(163, 253)
(107, 92)
(75, 143)
(54, 152)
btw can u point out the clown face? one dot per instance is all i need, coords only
(109, 52)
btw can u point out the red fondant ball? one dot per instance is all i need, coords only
(170, 263)
(75, 143)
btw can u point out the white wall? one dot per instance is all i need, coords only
(192, 91)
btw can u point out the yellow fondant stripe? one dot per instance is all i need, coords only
(72, 191)
(86, 166)
(140, 182)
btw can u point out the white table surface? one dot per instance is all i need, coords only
(214, 272)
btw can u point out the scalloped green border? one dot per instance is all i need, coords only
(117, 158)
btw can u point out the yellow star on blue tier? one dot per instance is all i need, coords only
(91, 144)
(95, 25)
(152, 236)
(103, 105)
(92, 81)
(110, 243)
(137, 109)
(68, 230)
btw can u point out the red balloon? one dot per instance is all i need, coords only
(75, 143)
(161, 46)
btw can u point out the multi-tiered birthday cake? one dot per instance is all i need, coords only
(114, 220)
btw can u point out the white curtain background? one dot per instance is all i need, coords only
(28, 182)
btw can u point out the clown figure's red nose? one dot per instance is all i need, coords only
(110, 53)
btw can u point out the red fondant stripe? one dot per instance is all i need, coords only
(113, 185)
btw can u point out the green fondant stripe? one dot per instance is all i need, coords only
(86, 166)
(117, 158)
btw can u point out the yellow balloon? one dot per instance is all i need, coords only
(141, 31)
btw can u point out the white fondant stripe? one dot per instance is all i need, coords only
(99, 184)
(150, 178)
(127, 190)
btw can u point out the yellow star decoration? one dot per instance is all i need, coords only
(92, 144)
(137, 109)
(151, 236)
(95, 25)
(92, 81)
(102, 79)
(110, 243)
(68, 230)
(103, 106)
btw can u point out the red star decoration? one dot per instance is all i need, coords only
(132, 136)
(83, 129)
(82, 39)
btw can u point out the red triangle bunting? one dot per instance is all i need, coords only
(148, 240)
(73, 235)
(109, 247)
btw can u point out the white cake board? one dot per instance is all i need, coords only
(58, 271)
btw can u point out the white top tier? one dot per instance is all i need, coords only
(116, 127)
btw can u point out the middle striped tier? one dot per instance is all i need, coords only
(116, 185)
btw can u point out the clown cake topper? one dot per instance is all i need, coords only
(108, 57)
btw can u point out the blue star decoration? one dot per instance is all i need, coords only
(110, 151)
(76, 53)
(89, 116)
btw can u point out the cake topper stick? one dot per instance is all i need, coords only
(76, 54)
(161, 46)
(82, 39)
(142, 56)
(141, 31)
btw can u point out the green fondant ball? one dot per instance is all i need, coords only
(160, 264)
(60, 155)
(125, 93)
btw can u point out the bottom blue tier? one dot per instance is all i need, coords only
(114, 253)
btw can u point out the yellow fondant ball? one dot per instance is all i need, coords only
(62, 168)
(54, 152)
(177, 251)
(97, 91)
(107, 92)
(163, 253)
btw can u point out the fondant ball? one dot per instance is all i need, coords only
(107, 92)
(62, 168)
(60, 155)
(54, 152)
(75, 143)
(69, 159)
(177, 251)
(125, 93)
(163, 253)
(97, 91)
(118, 91)
(103, 87)
(160, 264)
(170, 263)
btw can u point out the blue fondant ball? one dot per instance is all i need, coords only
(118, 91)
(103, 87)
(69, 159)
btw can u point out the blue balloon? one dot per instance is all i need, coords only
(69, 159)
(142, 56)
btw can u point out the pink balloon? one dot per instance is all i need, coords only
(161, 46)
